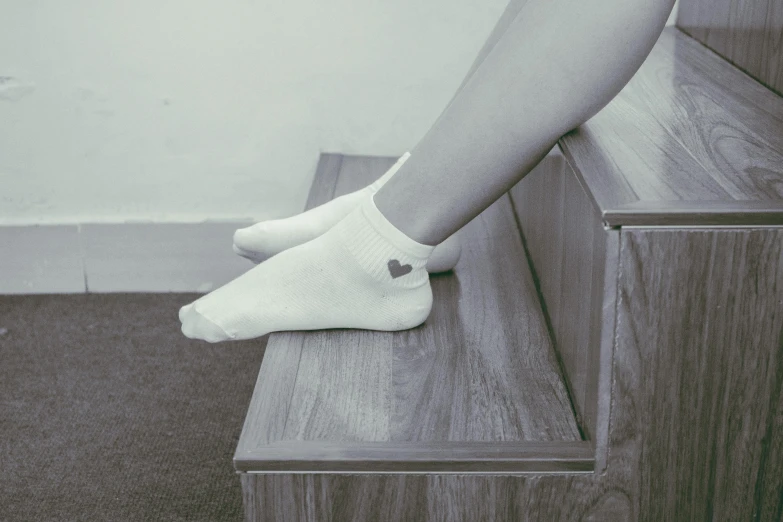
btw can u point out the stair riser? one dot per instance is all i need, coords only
(571, 251)
(412, 498)
(745, 33)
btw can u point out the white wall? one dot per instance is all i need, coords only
(186, 110)
(183, 110)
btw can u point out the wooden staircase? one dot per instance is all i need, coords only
(609, 347)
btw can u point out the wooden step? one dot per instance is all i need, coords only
(658, 247)
(655, 239)
(476, 387)
(691, 140)
(745, 33)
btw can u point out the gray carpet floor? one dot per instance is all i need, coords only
(107, 412)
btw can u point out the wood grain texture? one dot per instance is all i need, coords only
(418, 457)
(679, 131)
(748, 34)
(696, 428)
(455, 378)
(602, 342)
(567, 244)
(731, 79)
(268, 410)
(539, 204)
(439, 497)
(343, 387)
(700, 342)
(481, 368)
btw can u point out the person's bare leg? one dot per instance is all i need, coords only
(506, 18)
(368, 271)
(265, 239)
(558, 63)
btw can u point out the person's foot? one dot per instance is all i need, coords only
(268, 238)
(362, 273)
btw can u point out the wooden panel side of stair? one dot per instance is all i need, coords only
(700, 338)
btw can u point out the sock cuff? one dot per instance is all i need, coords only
(381, 250)
(391, 233)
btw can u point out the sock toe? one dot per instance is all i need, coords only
(183, 312)
(249, 238)
(255, 257)
(197, 326)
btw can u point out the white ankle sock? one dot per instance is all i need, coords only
(268, 238)
(362, 273)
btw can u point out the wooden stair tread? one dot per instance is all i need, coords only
(481, 369)
(690, 140)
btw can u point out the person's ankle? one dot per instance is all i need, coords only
(418, 227)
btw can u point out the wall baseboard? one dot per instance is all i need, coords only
(124, 257)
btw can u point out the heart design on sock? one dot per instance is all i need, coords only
(397, 270)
